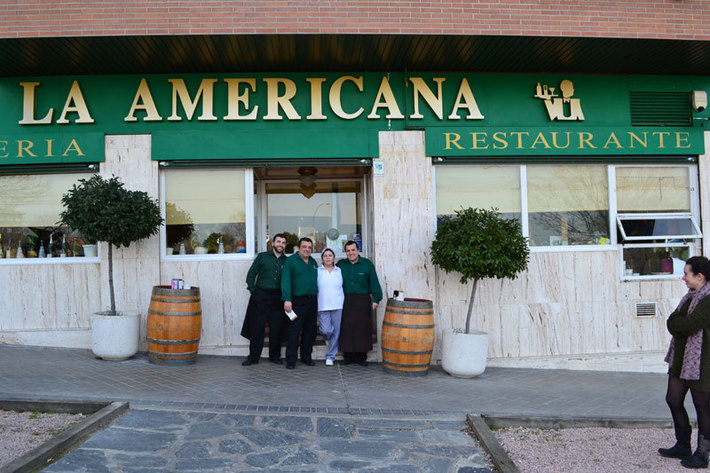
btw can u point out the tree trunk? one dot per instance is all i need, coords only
(470, 306)
(110, 278)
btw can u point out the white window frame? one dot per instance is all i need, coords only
(57, 259)
(614, 245)
(694, 215)
(248, 215)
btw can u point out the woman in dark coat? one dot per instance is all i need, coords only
(689, 365)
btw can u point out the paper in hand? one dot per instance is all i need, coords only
(291, 315)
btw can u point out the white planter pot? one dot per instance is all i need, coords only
(90, 251)
(115, 337)
(463, 355)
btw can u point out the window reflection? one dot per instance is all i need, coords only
(29, 211)
(330, 216)
(205, 211)
(568, 205)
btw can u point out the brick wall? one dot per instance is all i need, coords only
(669, 19)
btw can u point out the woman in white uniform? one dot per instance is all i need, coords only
(330, 302)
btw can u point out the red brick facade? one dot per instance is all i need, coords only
(657, 19)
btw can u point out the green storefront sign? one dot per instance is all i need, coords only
(311, 115)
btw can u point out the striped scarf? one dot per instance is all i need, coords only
(694, 343)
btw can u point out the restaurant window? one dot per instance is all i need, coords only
(568, 205)
(205, 211)
(323, 204)
(29, 211)
(657, 224)
(478, 186)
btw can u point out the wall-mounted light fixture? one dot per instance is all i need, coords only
(308, 181)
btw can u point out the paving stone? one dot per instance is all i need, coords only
(201, 416)
(233, 447)
(149, 419)
(206, 430)
(266, 459)
(236, 420)
(347, 465)
(398, 424)
(290, 423)
(392, 469)
(203, 464)
(131, 440)
(359, 448)
(441, 450)
(145, 461)
(193, 450)
(435, 465)
(400, 436)
(329, 427)
(81, 460)
(268, 437)
(302, 457)
(446, 437)
(138, 469)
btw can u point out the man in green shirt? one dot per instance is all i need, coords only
(362, 295)
(264, 284)
(299, 291)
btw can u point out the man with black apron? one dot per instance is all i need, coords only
(264, 284)
(362, 295)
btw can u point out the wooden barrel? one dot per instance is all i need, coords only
(174, 325)
(408, 336)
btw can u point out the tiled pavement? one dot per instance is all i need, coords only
(217, 415)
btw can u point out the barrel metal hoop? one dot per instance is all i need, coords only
(174, 313)
(176, 301)
(168, 356)
(171, 342)
(426, 352)
(402, 365)
(396, 310)
(390, 324)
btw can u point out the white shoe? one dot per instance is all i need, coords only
(328, 362)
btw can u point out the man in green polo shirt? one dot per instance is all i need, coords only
(362, 295)
(299, 291)
(264, 284)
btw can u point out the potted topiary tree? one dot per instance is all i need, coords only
(478, 244)
(102, 210)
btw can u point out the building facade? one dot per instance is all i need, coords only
(367, 121)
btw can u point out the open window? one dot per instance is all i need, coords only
(657, 222)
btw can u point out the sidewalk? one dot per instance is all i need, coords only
(217, 415)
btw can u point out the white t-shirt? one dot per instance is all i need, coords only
(330, 289)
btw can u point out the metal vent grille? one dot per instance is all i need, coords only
(646, 309)
(660, 109)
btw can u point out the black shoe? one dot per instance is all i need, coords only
(248, 362)
(290, 366)
(362, 363)
(699, 459)
(308, 362)
(277, 361)
(348, 362)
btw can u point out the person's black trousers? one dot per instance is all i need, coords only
(303, 328)
(267, 306)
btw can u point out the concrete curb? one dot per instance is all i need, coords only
(103, 413)
(501, 461)
(481, 426)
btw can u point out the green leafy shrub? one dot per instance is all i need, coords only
(103, 210)
(478, 244)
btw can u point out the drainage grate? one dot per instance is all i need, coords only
(646, 309)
